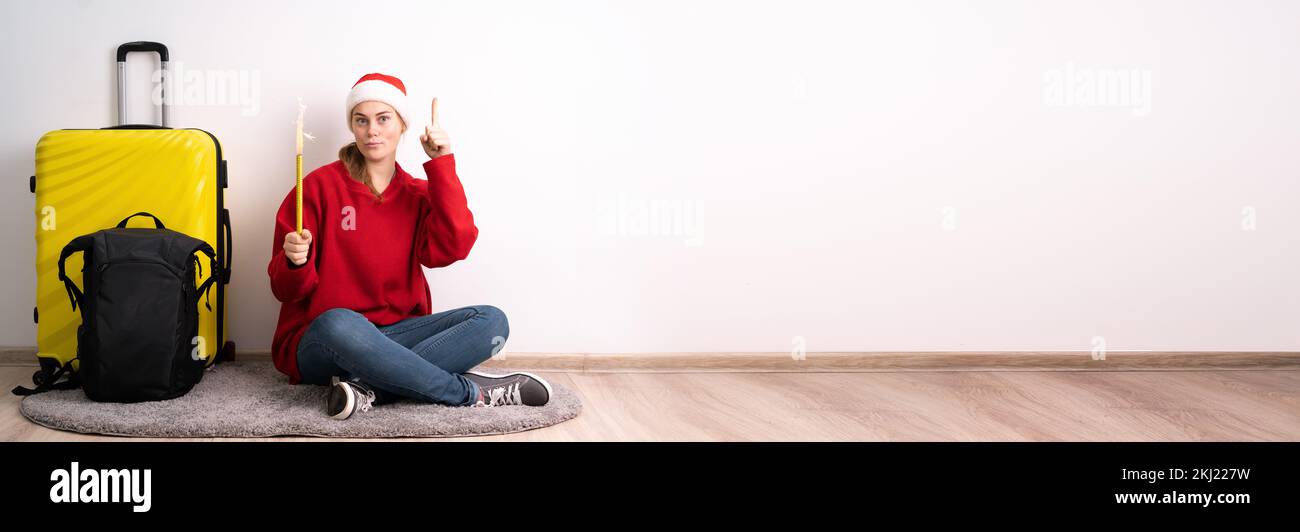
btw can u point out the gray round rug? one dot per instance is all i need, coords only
(249, 399)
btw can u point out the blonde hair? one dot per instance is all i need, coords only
(355, 162)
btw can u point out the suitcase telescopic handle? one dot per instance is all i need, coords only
(140, 46)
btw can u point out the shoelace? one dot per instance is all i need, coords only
(504, 395)
(364, 397)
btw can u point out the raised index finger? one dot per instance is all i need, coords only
(433, 112)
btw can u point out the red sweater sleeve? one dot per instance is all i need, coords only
(446, 229)
(288, 282)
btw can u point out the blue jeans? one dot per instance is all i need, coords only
(421, 358)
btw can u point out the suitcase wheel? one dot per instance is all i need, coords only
(227, 353)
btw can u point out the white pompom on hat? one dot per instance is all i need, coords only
(376, 87)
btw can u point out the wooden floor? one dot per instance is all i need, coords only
(1221, 405)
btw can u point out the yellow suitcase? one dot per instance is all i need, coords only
(89, 179)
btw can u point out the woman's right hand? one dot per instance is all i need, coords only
(296, 246)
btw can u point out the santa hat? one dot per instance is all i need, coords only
(379, 88)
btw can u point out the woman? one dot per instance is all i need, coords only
(355, 310)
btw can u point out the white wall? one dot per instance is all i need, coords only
(866, 175)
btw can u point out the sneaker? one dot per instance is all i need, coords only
(513, 389)
(346, 397)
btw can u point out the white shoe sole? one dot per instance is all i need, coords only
(549, 393)
(347, 408)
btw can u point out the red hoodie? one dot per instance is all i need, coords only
(364, 255)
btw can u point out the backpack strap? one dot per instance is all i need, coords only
(52, 383)
(77, 245)
(81, 243)
(215, 271)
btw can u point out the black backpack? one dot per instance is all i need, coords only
(139, 313)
